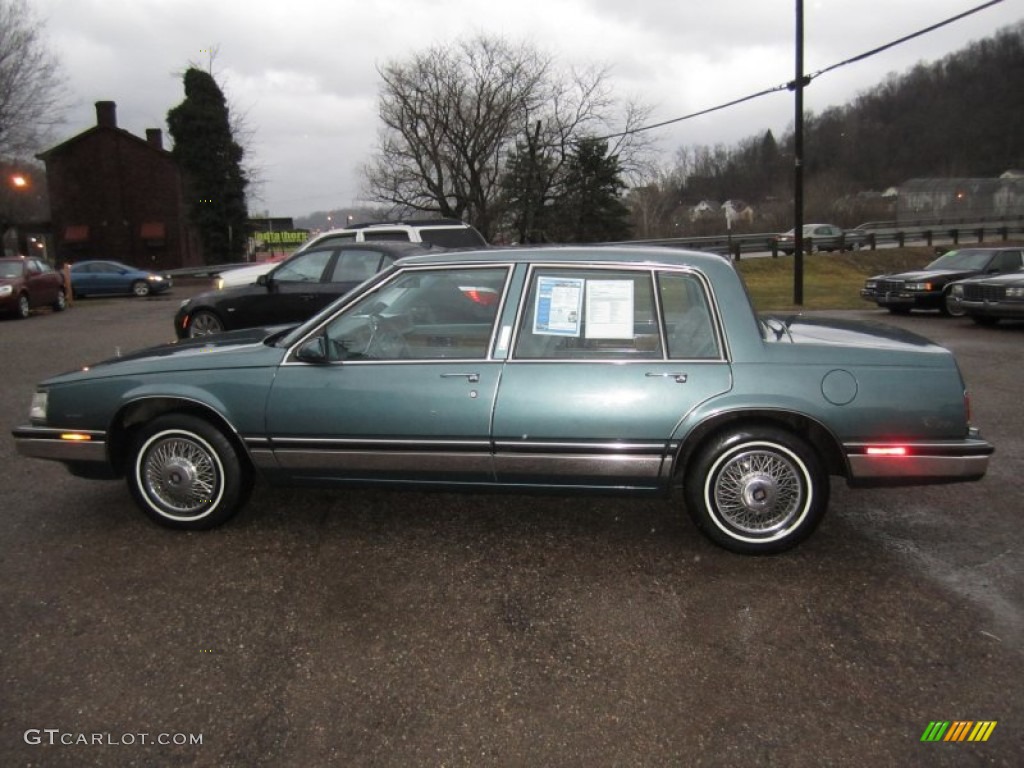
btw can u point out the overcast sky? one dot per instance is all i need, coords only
(304, 71)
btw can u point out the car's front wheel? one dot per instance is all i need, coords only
(24, 307)
(61, 302)
(756, 491)
(186, 474)
(203, 323)
(951, 306)
(140, 288)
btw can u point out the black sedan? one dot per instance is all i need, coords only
(929, 288)
(292, 292)
(990, 298)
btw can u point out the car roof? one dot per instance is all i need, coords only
(397, 246)
(595, 254)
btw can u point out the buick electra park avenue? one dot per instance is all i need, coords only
(560, 369)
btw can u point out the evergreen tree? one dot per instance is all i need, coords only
(589, 208)
(211, 162)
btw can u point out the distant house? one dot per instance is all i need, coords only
(960, 200)
(705, 209)
(737, 210)
(115, 195)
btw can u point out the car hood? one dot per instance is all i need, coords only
(928, 274)
(247, 348)
(1013, 278)
(227, 294)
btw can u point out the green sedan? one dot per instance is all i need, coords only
(575, 369)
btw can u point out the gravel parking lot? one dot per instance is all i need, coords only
(405, 629)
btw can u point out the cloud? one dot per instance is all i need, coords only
(305, 72)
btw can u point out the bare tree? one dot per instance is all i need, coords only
(32, 94)
(453, 115)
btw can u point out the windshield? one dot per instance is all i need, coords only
(10, 269)
(968, 259)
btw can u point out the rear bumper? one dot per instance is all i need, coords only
(921, 463)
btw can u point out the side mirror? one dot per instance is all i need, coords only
(313, 351)
(263, 280)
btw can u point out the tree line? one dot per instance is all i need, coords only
(962, 116)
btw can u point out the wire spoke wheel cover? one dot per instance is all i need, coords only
(180, 475)
(758, 492)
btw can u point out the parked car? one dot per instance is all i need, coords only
(93, 278)
(929, 288)
(291, 292)
(822, 237)
(577, 369)
(443, 233)
(990, 298)
(26, 284)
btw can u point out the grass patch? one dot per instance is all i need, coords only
(831, 281)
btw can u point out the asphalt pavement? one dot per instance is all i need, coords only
(375, 628)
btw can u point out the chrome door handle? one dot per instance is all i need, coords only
(473, 378)
(680, 378)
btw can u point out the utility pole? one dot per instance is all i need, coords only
(798, 160)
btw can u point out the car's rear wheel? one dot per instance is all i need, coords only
(61, 302)
(204, 323)
(186, 474)
(140, 288)
(24, 307)
(952, 307)
(756, 491)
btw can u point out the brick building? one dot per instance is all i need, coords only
(114, 195)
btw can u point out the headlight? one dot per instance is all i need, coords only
(219, 283)
(1015, 292)
(918, 286)
(37, 411)
(871, 284)
(155, 278)
(957, 290)
(6, 290)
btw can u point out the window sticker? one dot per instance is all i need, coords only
(610, 309)
(558, 306)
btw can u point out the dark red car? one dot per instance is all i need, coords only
(26, 284)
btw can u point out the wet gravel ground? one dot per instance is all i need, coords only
(366, 628)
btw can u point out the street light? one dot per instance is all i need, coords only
(19, 181)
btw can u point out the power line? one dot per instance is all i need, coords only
(807, 78)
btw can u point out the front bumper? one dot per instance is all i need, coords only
(1008, 309)
(908, 299)
(920, 463)
(74, 446)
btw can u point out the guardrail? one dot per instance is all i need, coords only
(737, 245)
(884, 233)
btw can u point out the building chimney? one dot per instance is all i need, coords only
(155, 138)
(106, 114)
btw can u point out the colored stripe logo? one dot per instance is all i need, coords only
(959, 730)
